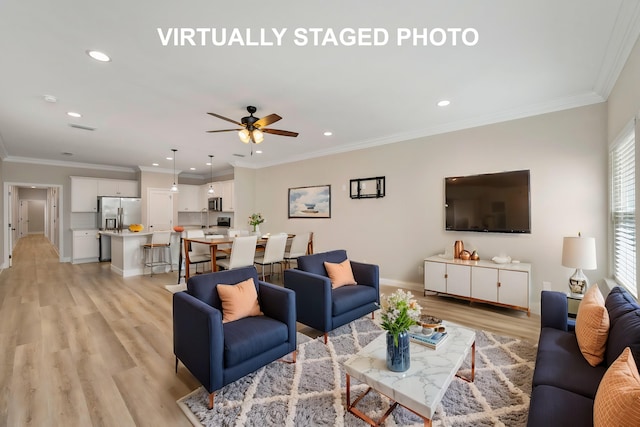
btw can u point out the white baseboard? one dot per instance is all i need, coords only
(412, 286)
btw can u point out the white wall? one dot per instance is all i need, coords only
(565, 151)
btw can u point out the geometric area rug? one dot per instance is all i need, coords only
(311, 392)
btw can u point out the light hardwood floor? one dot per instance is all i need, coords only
(82, 346)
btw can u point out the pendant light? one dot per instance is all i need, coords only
(211, 191)
(174, 187)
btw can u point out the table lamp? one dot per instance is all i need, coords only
(579, 253)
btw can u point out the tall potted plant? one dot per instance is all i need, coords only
(400, 311)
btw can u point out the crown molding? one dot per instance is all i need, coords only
(61, 163)
(626, 31)
(155, 169)
(532, 110)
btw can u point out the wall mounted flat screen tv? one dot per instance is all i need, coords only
(493, 203)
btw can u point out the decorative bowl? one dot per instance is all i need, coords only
(178, 228)
(136, 227)
(428, 321)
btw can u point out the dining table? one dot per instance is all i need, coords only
(213, 245)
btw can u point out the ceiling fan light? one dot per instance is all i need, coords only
(244, 136)
(258, 136)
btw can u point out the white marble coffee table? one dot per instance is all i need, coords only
(419, 389)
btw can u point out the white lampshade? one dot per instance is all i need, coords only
(258, 136)
(579, 252)
(244, 136)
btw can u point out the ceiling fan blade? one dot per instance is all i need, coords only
(267, 120)
(223, 130)
(280, 132)
(225, 118)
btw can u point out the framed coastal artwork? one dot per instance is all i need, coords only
(310, 202)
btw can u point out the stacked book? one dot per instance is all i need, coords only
(432, 341)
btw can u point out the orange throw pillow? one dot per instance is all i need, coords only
(592, 326)
(239, 301)
(340, 274)
(617, 401)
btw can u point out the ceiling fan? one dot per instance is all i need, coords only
(252, 128)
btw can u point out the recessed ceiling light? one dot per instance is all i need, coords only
(192, 169)
(258, 151)
(155, 164)
(328, 133)
(98, 56)
(169, 158)
(208, 163)
(74, 114)
(33, 186)
(50, 98)
(443, 103)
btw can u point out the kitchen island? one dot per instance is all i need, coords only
(127, 256)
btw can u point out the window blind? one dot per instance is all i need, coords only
(623, 215)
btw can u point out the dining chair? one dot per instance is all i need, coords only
(158, 248)
(273, 252)
(298, 248)
(199, 253)
(232, 232)
(243, 251)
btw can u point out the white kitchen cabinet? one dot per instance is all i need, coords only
(86, 246)
(204, 196)
(84, 194)
(227, 196)
(188, 198)
(501, 284)
(118, 188)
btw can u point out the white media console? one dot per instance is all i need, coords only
(483, 281)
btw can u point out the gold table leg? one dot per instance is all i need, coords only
(473, 365)
(364, 417)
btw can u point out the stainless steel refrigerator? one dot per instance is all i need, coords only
(108, 209)
(108, 218)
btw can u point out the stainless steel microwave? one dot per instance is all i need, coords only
(215, 204)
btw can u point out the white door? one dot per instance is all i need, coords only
(159, 209)
(23, 226)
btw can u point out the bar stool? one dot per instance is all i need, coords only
(155, 253)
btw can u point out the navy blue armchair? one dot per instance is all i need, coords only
(219, 353)
(323, 308)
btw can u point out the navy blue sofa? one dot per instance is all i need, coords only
(218, 354)
(324, 308)
(564, 384)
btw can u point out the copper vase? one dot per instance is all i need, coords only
(458, 247)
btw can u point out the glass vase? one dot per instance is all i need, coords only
(398, 357)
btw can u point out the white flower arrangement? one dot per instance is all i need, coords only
(399, 312)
